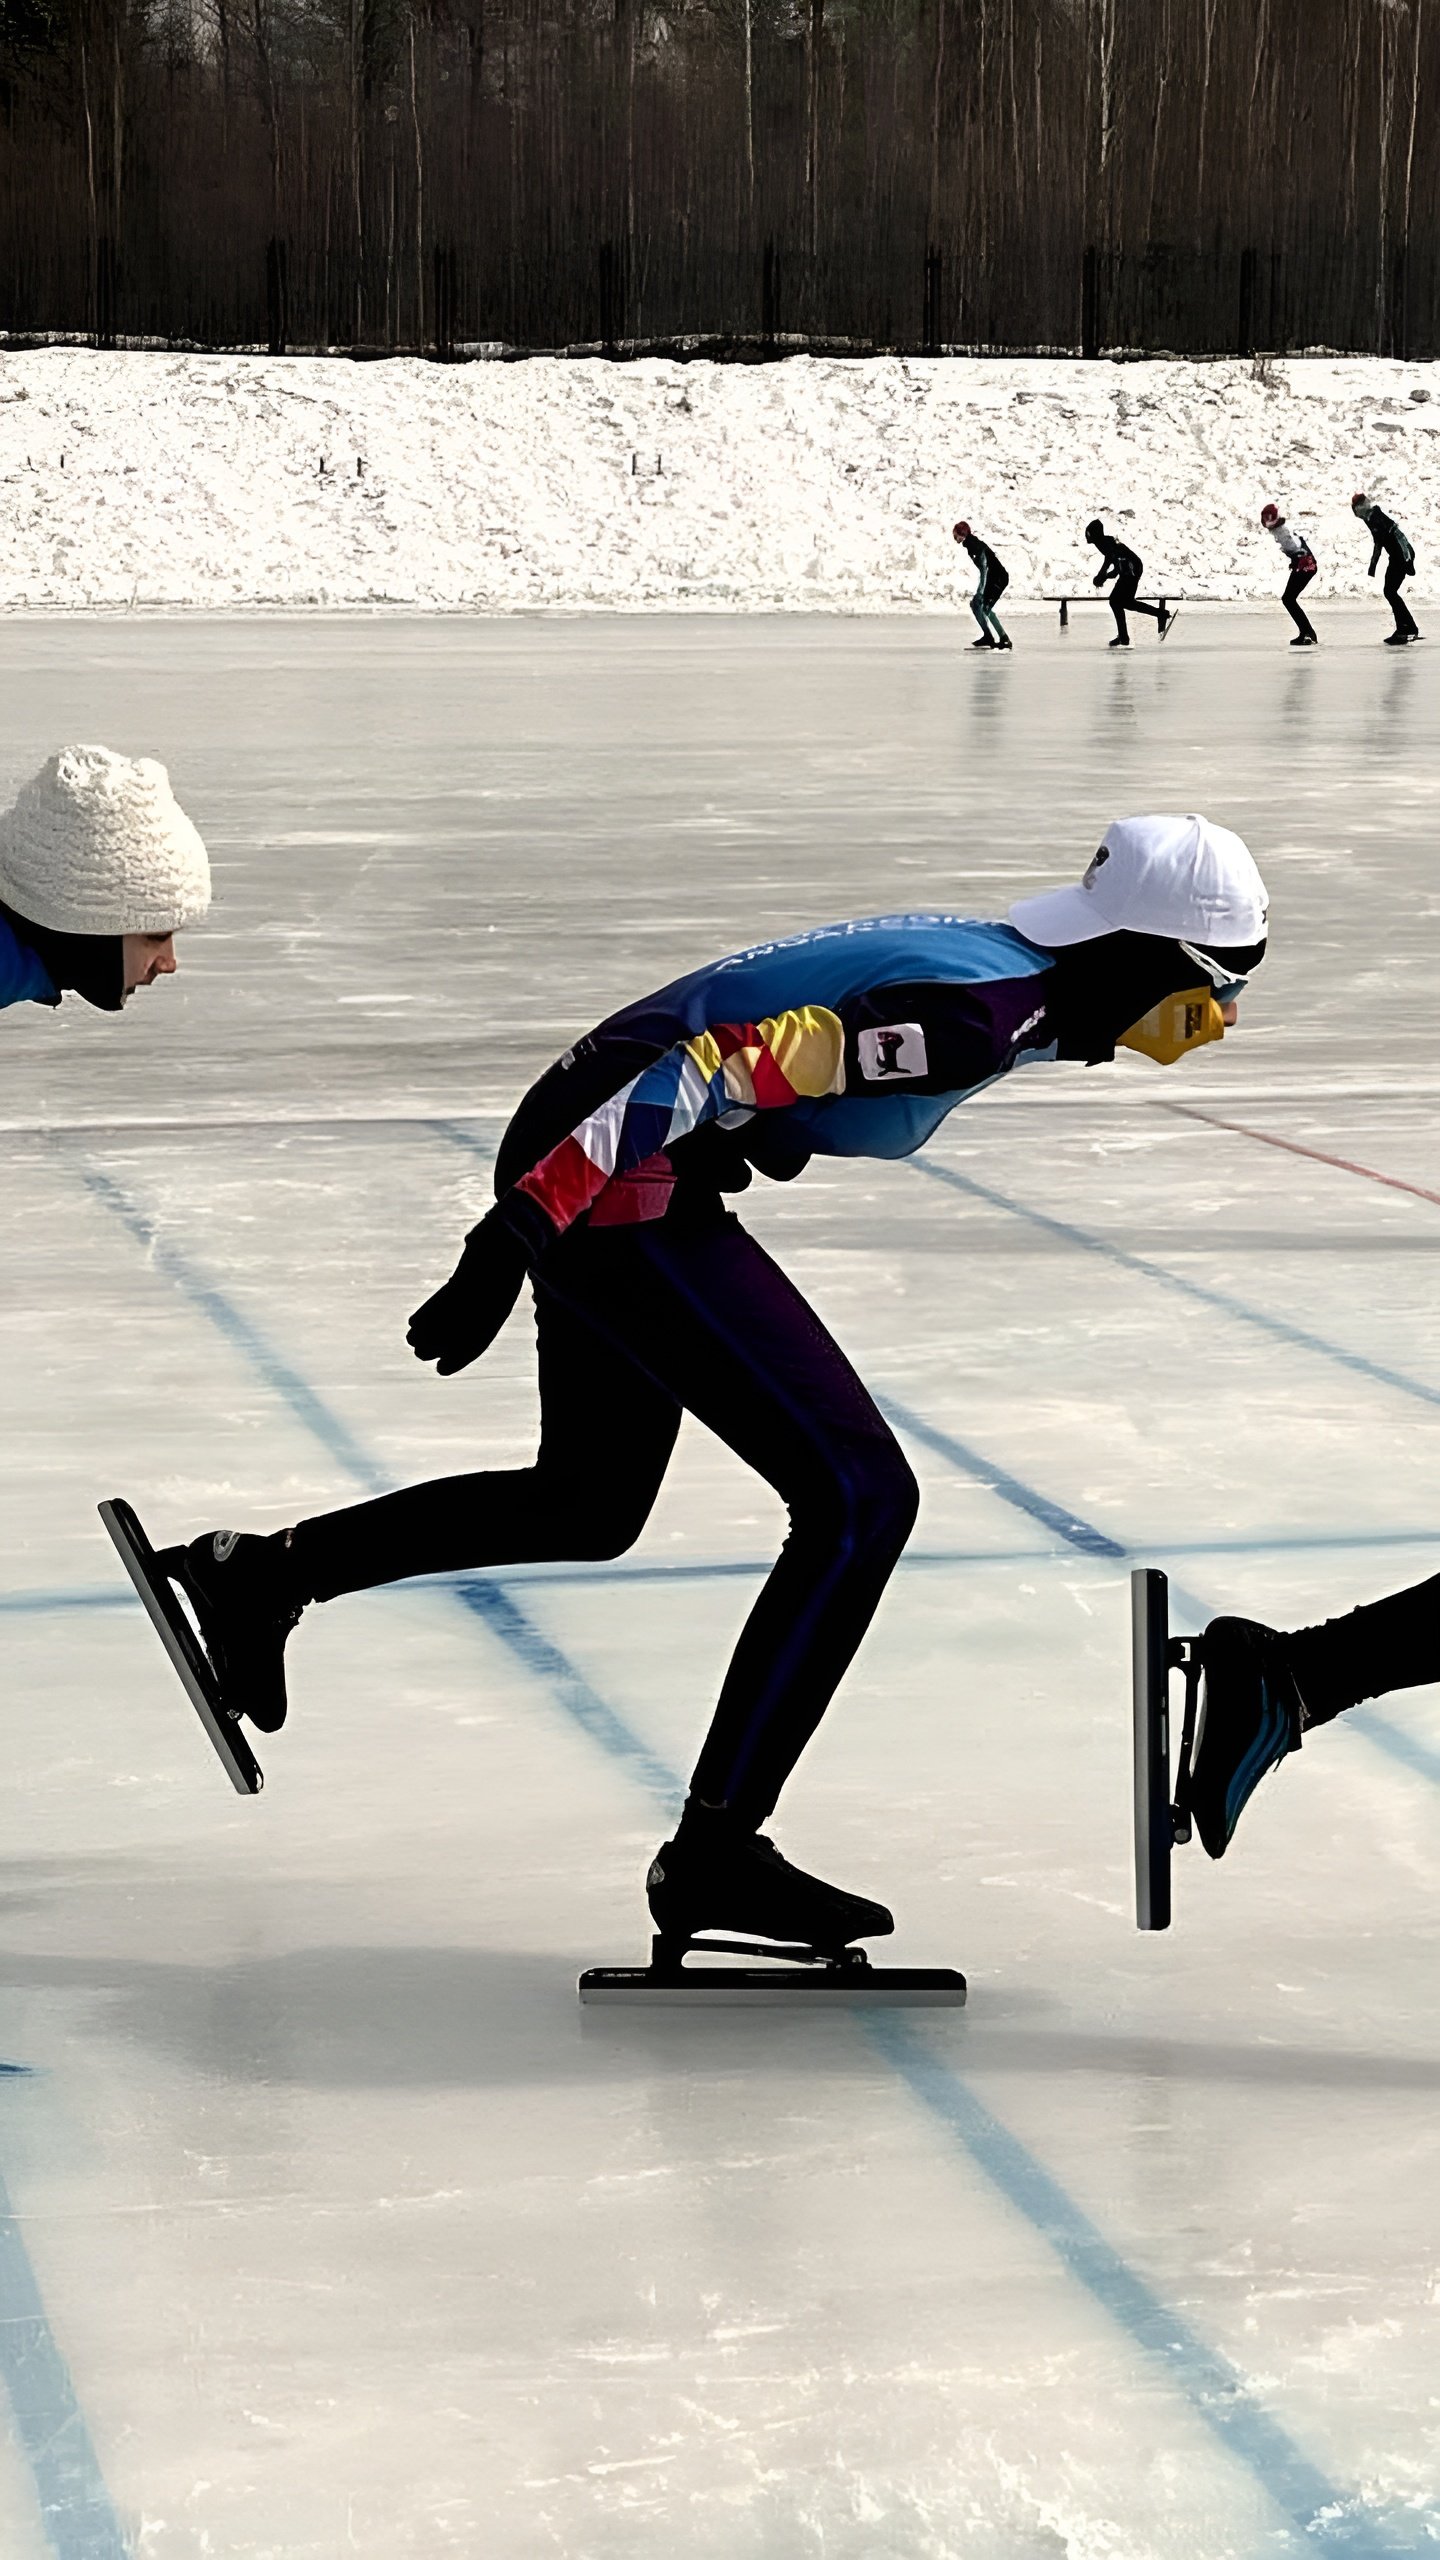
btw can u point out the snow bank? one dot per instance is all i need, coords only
(806, 485)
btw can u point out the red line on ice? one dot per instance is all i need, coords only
(1293, 1147)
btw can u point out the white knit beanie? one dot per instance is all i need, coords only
(98, 844)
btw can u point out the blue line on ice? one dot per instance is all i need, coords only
(1278, 1327)
(1398, 1745)
(80, 2522)
(1210, 2383)
(1214, 2388)
(1404, 1747)
(1054, 1516)
(60, 1601)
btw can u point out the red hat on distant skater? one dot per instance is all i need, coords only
(1270, 515)
(962, 531)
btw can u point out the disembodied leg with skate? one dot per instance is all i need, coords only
(1252, 1694)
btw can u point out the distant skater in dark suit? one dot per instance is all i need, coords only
(1399, 553)
(1126, 568)
(994, 579)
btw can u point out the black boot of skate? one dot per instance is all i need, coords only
(716, 1874)
(241, 1594)
(1250, 1718)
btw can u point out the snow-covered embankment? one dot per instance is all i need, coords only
(807, 485)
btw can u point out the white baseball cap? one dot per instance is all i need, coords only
(1182, 878)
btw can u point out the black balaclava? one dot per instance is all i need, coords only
(92, 963)
(1100, 989)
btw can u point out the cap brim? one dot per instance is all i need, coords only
(1059, 917)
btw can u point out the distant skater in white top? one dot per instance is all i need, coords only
(1303, 565)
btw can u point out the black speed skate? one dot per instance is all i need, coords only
(233, 1584)
(1242, 1714)
(714, 1875)
(717, 1876)
(222, 1619)
(1249, 1719)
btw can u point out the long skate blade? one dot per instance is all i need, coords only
(177, 1636)
(1150, 1682)
(773, 1986)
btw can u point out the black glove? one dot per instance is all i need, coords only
(713, 1154)
(463, 1318)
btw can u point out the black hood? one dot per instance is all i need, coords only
(93, 964)
(1100, 989)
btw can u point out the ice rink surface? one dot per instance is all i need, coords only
(329, 2224)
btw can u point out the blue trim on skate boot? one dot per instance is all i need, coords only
(1271, 1745)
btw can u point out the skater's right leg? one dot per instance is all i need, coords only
(1124, 599)
(1122, 593)
(977, 607)
(606, 1435)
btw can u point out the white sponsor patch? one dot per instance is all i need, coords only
(889, 1055)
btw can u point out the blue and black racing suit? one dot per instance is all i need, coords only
(1126, 568)
(1392, 544)
(24, 978)
(652, 1300)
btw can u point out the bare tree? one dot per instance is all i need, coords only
(194, 167)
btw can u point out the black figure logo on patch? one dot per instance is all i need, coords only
(892, 1053)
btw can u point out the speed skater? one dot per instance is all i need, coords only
(651, 1299)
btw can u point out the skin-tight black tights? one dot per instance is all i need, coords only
(1396, 574)
(1123, 599)
(636, 1326)
(1295, 586)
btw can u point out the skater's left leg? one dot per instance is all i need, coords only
(977, 607)
(721, 1328)
(988, 602)
(736, 1342)
(1295, 585)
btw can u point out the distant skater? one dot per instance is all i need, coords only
(994, 579)
(1399, 552)
(1126, 567)
(1303, 565)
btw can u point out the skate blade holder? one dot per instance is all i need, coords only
(1162, 1817)
(153, 1577)
(788, 1977)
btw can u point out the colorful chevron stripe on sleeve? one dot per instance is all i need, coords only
(733, 1066)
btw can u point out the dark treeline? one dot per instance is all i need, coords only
(1197, 175)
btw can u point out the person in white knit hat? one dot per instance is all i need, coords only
(99, 869)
